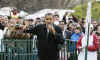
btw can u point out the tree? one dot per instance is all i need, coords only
(81, 10)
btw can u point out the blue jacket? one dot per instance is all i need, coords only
(74, 38)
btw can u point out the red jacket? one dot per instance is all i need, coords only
(94, 47)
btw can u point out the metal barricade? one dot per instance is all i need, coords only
(18, 49)
(68, 51)
(26, 49)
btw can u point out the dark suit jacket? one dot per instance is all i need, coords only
(47, 42)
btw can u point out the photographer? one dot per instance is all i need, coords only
(30, 27)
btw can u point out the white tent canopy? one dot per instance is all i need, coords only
(6, 8)
(6, 11)
(42, 13)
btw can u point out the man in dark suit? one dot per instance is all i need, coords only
(48, 37)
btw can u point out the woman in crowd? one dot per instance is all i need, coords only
(92, 46)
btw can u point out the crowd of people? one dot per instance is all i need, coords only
(51, 31)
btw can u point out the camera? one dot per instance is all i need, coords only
(29, 29)
(17, 26)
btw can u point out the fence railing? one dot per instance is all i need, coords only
(25, 49)
(68, 51)
(18, 49)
